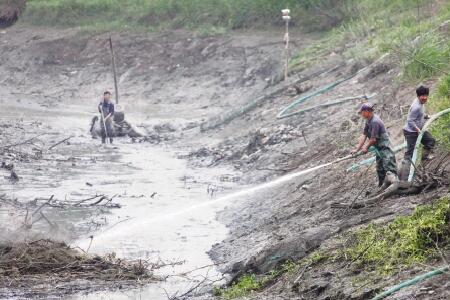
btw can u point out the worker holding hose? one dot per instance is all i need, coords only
(106, 109)
(414, 124)
(376, 135)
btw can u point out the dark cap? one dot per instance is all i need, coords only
(366, 107)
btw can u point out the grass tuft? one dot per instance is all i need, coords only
(252, 283)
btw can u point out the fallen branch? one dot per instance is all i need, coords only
(22, 143)
(60, 142)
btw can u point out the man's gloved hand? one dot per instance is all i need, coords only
(426, 117)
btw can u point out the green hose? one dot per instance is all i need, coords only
(419, 140)
(227, 117)
(411, 282)
(369, 161)
(284, 112)
(332, 103)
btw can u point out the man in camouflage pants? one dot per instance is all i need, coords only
(106, 110)
(375, 132)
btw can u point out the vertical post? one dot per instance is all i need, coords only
(286, 18)
(113, 58)
(418, 16)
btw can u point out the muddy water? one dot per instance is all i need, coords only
(166, 211)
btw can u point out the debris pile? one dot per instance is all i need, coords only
(271, 136)
(45, 261)
(246, 150)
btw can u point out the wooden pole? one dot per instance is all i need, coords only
(286, 71)
(286, 18)
(113, 58)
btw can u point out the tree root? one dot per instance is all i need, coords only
(396, 189)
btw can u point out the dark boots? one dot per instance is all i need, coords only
(427, 154)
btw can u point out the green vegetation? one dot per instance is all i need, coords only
(394, 27)
(405, 241)
(358, 29)
(424, 57)
(193, 14)
(384, 249)
(440, 100)
(243, 287)
(252, 283)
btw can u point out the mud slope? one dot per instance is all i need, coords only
(290, 221)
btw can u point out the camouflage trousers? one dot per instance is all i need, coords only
(109, 132)
(385, 163)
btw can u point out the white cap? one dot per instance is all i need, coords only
(286, 12)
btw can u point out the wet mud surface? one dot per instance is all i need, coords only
(166, 197)
(137, 199)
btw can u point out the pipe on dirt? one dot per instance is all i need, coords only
(230, 116)
(332, 103)
(284, 113)
(410, 282)
(419, 141)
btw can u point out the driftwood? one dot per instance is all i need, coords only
(60, 142)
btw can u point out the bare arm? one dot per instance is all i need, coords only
(362, 139)
(371, 142)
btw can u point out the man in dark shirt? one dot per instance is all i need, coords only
(376, 134)
(106, 109)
